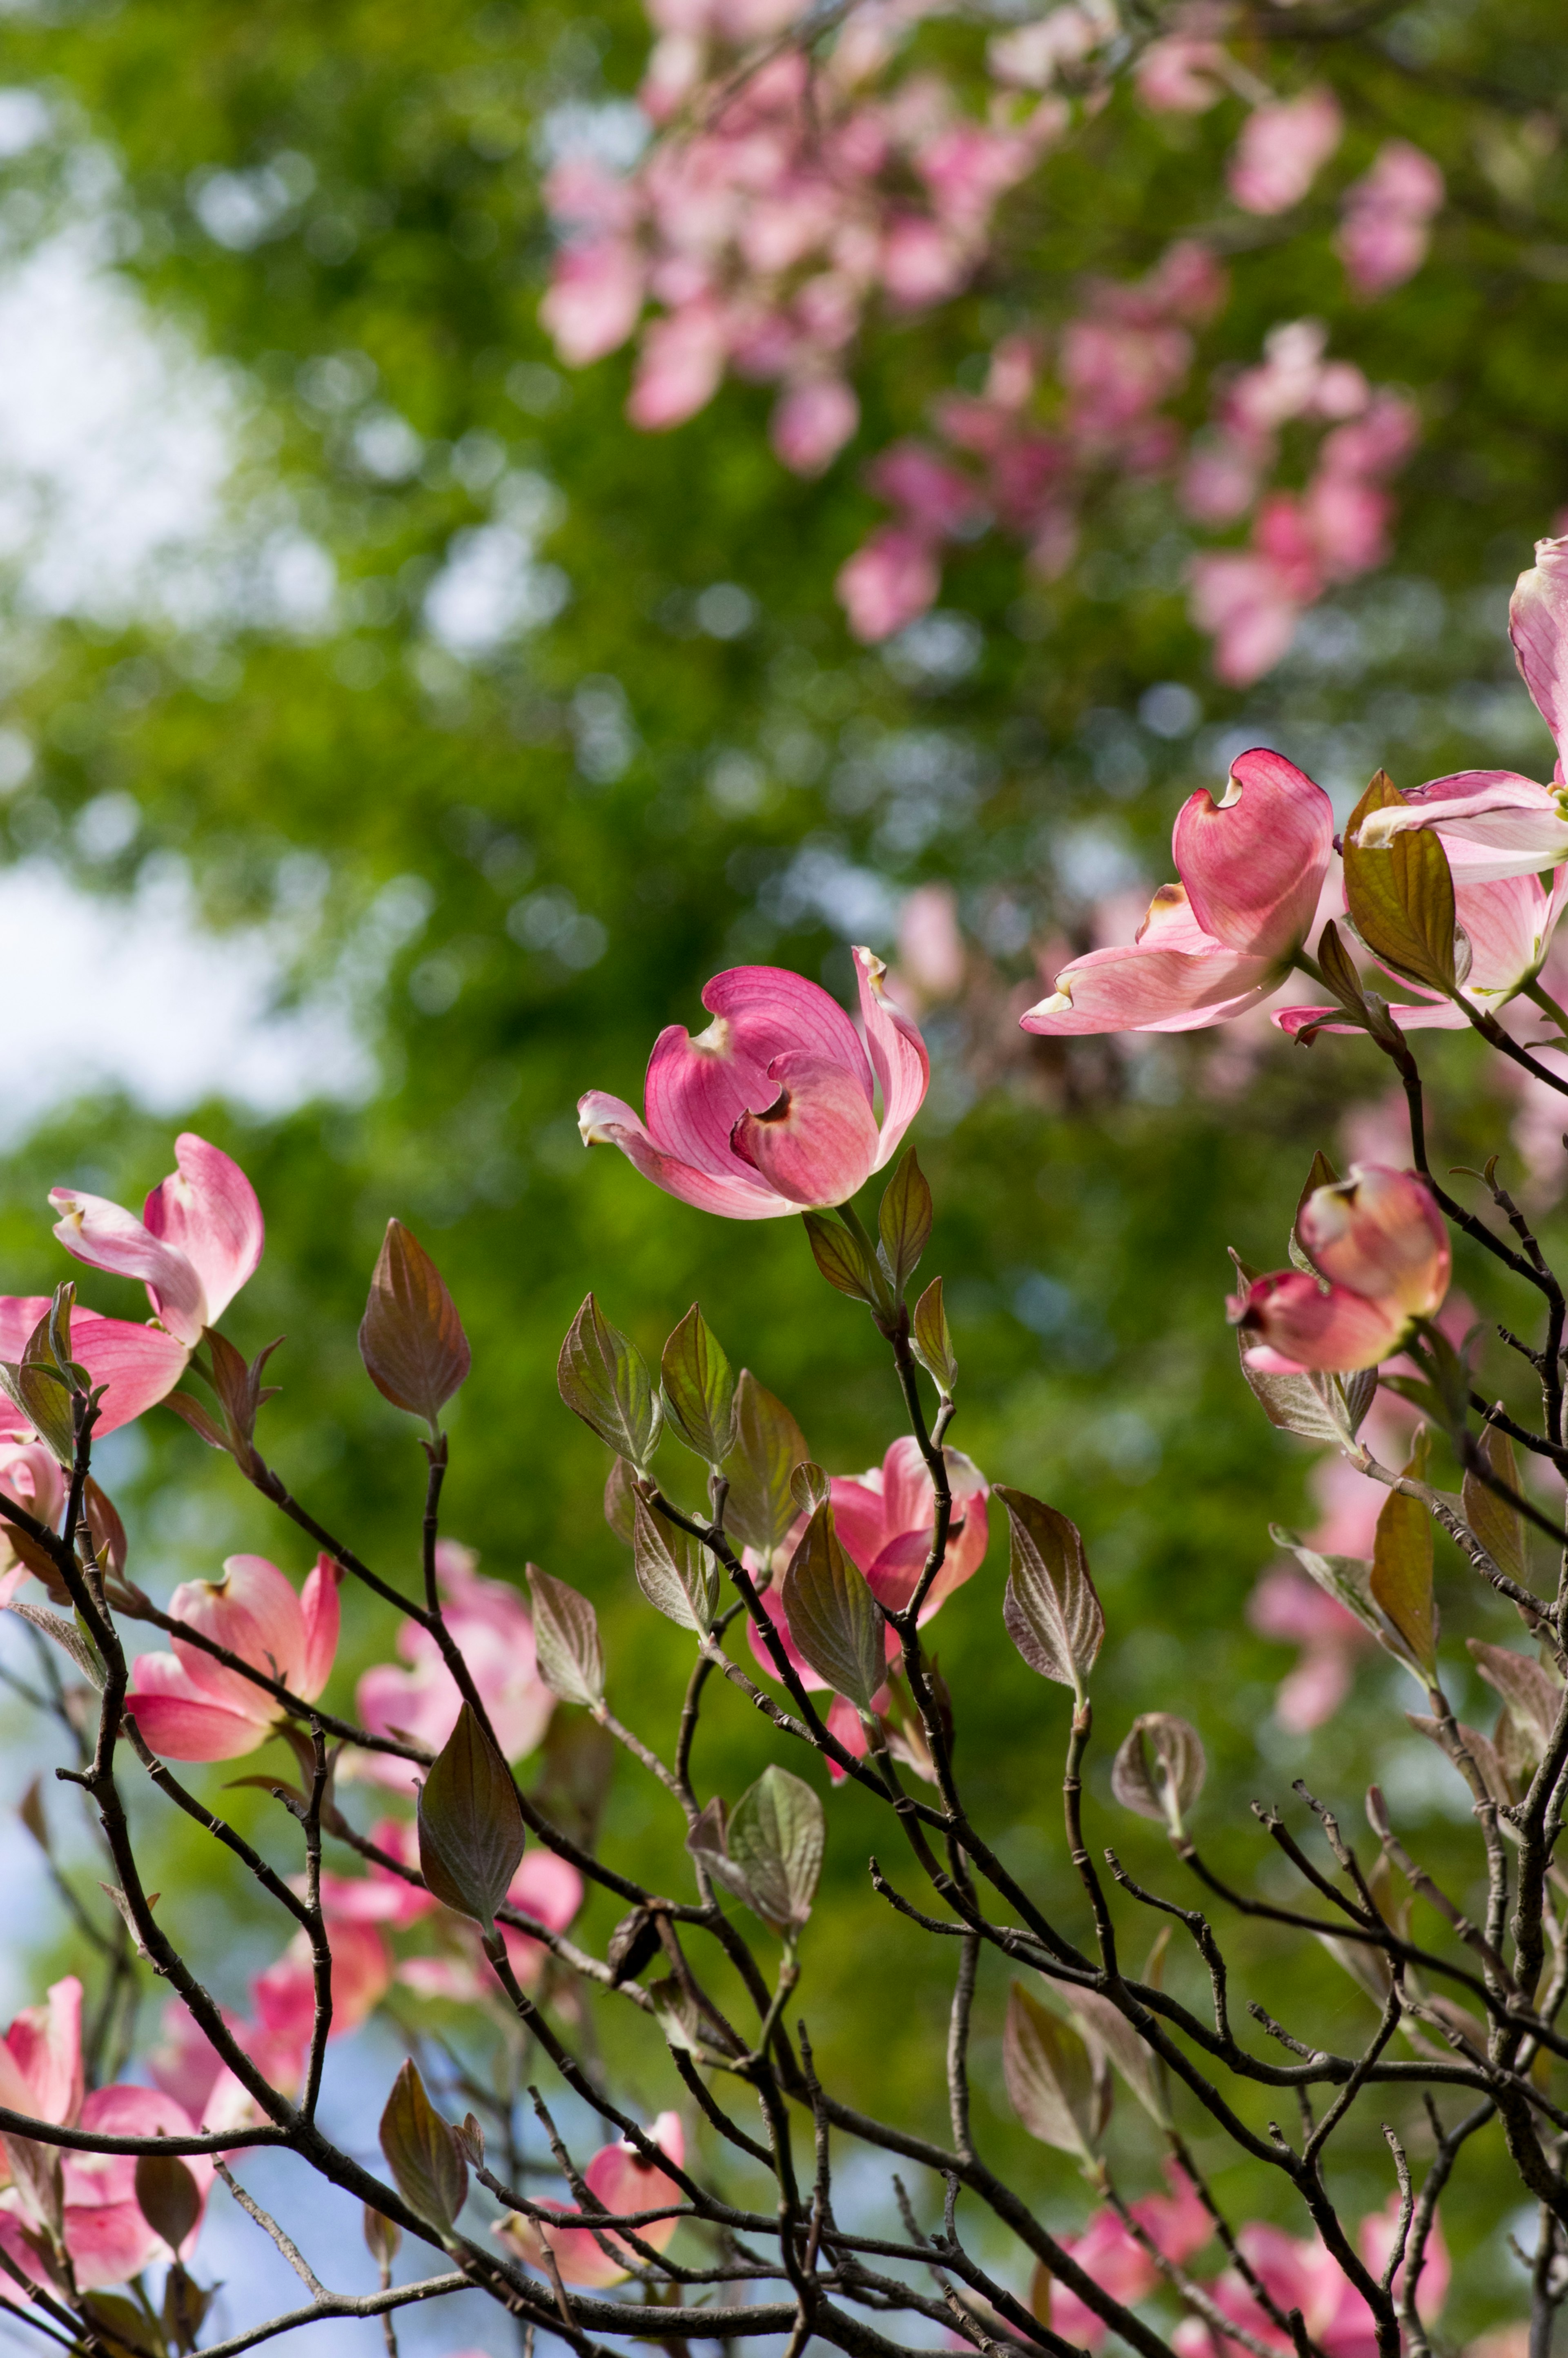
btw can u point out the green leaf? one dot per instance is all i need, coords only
(1052, 1612)
(931, 1342)
(69, 1636)
(834, 1619)
(1401, 900)
(769, 1446)
(674, 1571)
(166, 2197)
(604, 1378)
(903, 1222)
(776, 1839)
(1338, 970)
(620, 1497)
(411, 1338)
(1497, 1526)
(1400, 1580)
(470, 1825)
(565, 1640)
(1167, 1790)
(1050, 2077)
(699, 1389)
(1315, 1405)
(422, 2152)
(840, 1258)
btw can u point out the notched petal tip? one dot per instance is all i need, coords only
(1059, 1003)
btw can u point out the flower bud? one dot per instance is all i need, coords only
(1299, 1324)
(1379, 1233)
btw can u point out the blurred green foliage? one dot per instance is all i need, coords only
(1083, 1203)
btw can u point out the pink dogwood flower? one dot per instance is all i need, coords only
(1378, 1243)
(1252, 866)
(884, 1519)
(1281, 148)
(1288, 1607)
(284, 1994)
(199, 1238)
(623, 2182)
(189, 1706)
(771, 1111)
(92, 2209)
(1494, 823)
(495, 1636)
(1384, 233)
(1304, 2275)
(1112, 2256)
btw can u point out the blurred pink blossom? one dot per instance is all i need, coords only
(1386, 225)
(492, 1628)
(1283, 147)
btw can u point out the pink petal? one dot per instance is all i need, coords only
(319, 1613)
(609, 1121)
(208, 1211)
(898, 1055)
(1281, 148)
(109, 2243)
(892, 1578)
(1432, 1015)
(861, 1515)
(766, 1010)
(1297, 1325)
(138, 1365)
(816, 1143)
(594, 299)
(812, 423)
(184, 1721)
(1142, 989)
(547, 1888)
(1538, 625)
(1314, 1691)
(40, 2057)
(107, 1236)
(253, 1611)
(772, 1606)
(1253, 864)
(890, 581)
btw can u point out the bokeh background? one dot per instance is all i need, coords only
(394, 739)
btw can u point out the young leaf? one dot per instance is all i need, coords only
(699, 1389)
(620, 1498)
(1401, 900)
(422, 2152)
(470, 1826)
(776, 1839)
(834, 1619)
(839, 1257)
(166, 2197)
(604, 1379)
(1103, 2025)
(1532, 1695)
(565, 1640)
(1339, 970)
(708, 1842)
(674, 1571)
(1049, 2076)
(931, 1342)
(411, 1338)
(1050, 1608)
(1166, 1790)
(1497, 1526)
(769, 1446)
(903, 1222)
(383, 2237)
(105, 1529)
(810, 1488)
(1401, 1581)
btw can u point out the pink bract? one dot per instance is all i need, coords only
(189, 1706)
(1252, 866)
(771, 1111)
(199, 1238)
